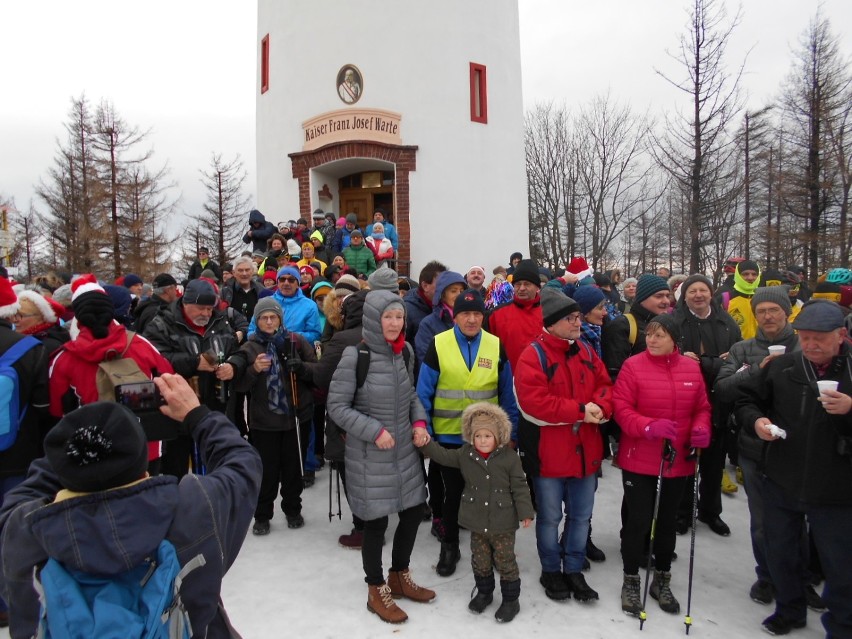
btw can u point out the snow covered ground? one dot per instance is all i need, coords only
(301, 583)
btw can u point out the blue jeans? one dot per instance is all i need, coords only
(7, 484)
(832, 529)
(577, 494)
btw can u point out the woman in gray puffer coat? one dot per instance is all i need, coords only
(383, 469)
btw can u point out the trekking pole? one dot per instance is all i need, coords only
(295, 395)
(667, 454)
(688, 620)
(339, 513)
(330, 478)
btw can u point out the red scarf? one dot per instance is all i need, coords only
(198, 329)
(38, 328)
(398, 344)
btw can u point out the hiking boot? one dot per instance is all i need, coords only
(309, 478)
(510, 607)
(380, 601)
(762, 592)
(716, 525)
(402, 585)
(353, 540)
(438, 528)
(555, 586)
(662, 592)
(484, 590)
(577, 584)
(728, 486)
(594, 553)
(4, 619)
(261, 527)
(682, 525)
(295, 521)
(426, 511)
(779, 625)
(814, 601)
(448, 558)
(631, 602)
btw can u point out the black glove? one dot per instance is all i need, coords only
(294, 364)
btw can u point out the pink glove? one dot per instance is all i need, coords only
(700, 438)
(661, 429)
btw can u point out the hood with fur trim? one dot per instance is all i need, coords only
(485, 415)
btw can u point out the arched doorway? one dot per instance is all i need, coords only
(341, 161)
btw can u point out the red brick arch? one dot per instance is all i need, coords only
(402, 157)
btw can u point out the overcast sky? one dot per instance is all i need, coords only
(186, 70)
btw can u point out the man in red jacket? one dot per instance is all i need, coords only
(518, 322)
(74, 368)
(563, 392)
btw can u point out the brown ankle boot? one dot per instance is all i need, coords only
(380, 601)
(402, 585)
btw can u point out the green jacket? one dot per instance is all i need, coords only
(496, 496)
(360, 258)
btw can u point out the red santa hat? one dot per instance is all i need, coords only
(85, 284)
(8, 300)
(580, 267)
(49, 309)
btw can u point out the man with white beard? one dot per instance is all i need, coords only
(197, 339)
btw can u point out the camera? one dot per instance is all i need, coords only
(140, 397)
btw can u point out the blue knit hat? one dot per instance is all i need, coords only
(588, 297)
(289, 270)
(647, 285)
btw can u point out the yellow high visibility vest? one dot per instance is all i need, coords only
(459, 387)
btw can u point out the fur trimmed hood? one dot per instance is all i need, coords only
(485, 415)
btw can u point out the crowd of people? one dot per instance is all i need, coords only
(471, 404)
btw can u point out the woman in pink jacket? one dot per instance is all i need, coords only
(661, 405)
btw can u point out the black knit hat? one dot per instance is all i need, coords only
(693, 279)
(555, 305)
(669, 325)
(469, 300)
(647, 285)
(527, 271)
(163, 280)
(97, 447)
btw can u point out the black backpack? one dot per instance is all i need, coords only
(364, 363)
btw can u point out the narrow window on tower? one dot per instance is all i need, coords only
(264, 64)
(478, 93)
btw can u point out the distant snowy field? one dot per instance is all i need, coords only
(301, 583)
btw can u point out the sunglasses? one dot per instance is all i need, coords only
(287, 278)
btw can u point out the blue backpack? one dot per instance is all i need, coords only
(11, 412)
(143, 602)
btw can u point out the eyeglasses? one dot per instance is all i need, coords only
(267, 318)
(20, 316)
(288, 278)
(574, 318)
(766, 312)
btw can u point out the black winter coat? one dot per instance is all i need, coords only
(33, 394)
(182, 346)
(807, 465)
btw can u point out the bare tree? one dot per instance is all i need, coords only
(73, 195)
(114, 140)
(816, 101)
(611, 149)
(696, 147)
(223, 217)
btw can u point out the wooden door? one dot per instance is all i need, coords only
(358, 202)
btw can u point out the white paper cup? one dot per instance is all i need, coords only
(777, 349)
(826, 384)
